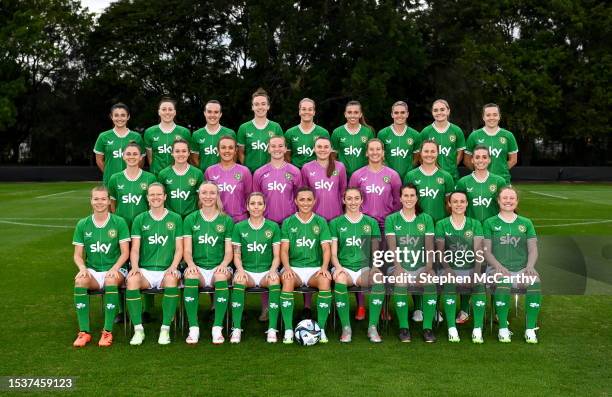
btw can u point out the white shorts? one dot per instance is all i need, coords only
(154, 277)
(257, 276)
(100, 276)
(305, 273)
(208, 275)
(352, 274)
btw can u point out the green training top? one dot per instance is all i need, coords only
(101, 243)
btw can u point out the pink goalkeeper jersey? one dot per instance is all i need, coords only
(278, 186)
(235, 184)
(380, 190)
(328, 191)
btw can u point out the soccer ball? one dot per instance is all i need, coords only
(307, 333)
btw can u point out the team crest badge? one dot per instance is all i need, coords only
(143, 186)
(492, 188)
(335, 173)
(452, 138)
(191, 181)
(364, 139)
(177, 137)
(440, 181)
(237, 176)
(220, 228)
(112, 233)
(410, 141)
(469, 234)
(316, 229)
(170, 225)
(522, 228)
(421, 227)
(367, 228)
(288, 176)
(502, 140)
(386, 179)
(270, 134)
(268, 233)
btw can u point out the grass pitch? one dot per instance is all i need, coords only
(36, 225)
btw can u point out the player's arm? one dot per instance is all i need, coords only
(467, 161)
(512, 159)
(195, 159)
(79, 261)
(440, 246)
(124, 246)
(100, 161)
(135, 255)
(459, 156)
(429, 247)
(284, 255)
(392, 246)
(276, 261)
(149, 156)
(334, 255)
(490, 258)
(326, 248)
(229, 254)
(478, 257)
(237, 255)
(532, 256)
(178, 254)
(113, 205)
(188, 252)
(241, 154)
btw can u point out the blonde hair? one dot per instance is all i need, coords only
(218, 202)
(100, 188)
(444, 101)
(314, 105)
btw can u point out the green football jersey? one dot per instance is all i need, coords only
(432, 190)
(255, 142)
(160, 144)
(208, 237)
(459, 240)
(354, 240)
(305, 239)
(301, 144)
(399, 149)
(256, 244)
(449, 143)
(509, 240)
(410, 234)
(182, 189)
(101, 243)
(500, 146)
(158, 239)
(482, 195)
(351, 147)
(130, 195)
(205, 145)
(111, 146)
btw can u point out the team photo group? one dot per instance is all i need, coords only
(279, 209)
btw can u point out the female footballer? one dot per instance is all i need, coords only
(349, 140)
(256, 243)
(305, 254)
(301, 138)
(511, 249)
(327, 178)
(412, 230)
(501, 143)
(101, 248)
(278, 181)
(234, 180)
(206, 139)
(158, 139)
(156, 252)
(354, 237)
(253, 135)
(207, 251)
(110, 144)
(181, 180)
(448, 136)
(461, 237)
(401, 142)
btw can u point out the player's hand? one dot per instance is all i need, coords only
(112, 273)
(272, 275)
(324, 274)
(134, 272)
(503, 271)
(338, 270)
(288, 275)
(240, 277)
(83, 273)
(191, 270)
(529, 271)
(222, 270)
(173, 271)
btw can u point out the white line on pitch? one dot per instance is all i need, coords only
(549, 195)
(575, 224)
(37, 225)
(56, 194)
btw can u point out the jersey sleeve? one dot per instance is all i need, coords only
(460, 139)
(199, 177)
(276, 236)
(188, 225)
(333, 230)
(124, 232)
(147, 139)
(179, 227)
(248, 182)
(297, 179)
(469, 145)
(460, 186)
(288, 142)
(137, 227)
(77, 237)
(335, 140)
(304, 172)
(194, 138)
(99, 145)
(284, 230)
(229, 228)
(140, 142)
(408, 178)
(449, 183)
(375, 228)
(396, 187)
(278, 130)
(370, 133)
(486, 229)
(429, 226)
(531, 233)
(341, 178)
(325, 233)
(257, 181)
(478, 229)
(512, 146)
(439, 230)
(236, 236)
(389, 230)
(241, 137)
(354, 181)
(112, 187)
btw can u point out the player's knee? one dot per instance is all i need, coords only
(170, 281)
(133, 282)
(81, 282)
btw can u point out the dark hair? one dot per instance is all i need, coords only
(331, 164)
(481, 147)
(437, 148)
(304, 189)
(400, 103)
(491, 105)
(362, 119)
(260, 92)
(352, 188)
(314, 105)
(179, 140)
(417, 206)
(133, 144)
(213, 101)
(447, 206)
(120, 105)
(226, 137)
(372, 140)
(167, 99)
(509, 187)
